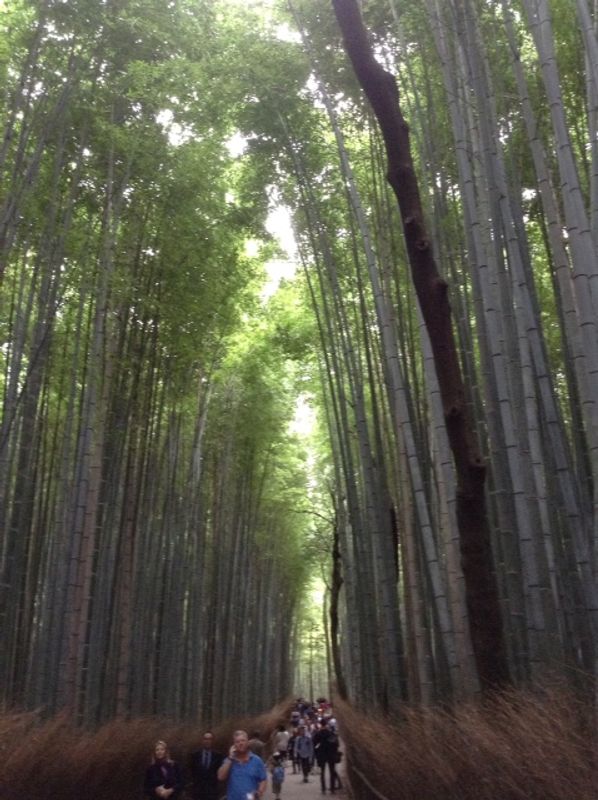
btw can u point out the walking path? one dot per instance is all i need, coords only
(293, 787)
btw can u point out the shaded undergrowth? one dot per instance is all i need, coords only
(518, 746)
(43, 760)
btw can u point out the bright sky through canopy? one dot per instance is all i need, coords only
(279, 224)
(304, 420)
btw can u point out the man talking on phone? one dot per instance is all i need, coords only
(244, 772)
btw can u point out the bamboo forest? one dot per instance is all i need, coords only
(299, 388)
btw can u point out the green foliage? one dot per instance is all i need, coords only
(126, 217)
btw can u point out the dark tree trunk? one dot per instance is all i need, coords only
(335, 589)
(481, 591)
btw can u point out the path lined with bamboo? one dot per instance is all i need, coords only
(293, 787)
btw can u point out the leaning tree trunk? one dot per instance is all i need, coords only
(337, 582)
(481, 591)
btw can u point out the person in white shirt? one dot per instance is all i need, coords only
(280, 740)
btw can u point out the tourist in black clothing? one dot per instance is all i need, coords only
(326, 752)
(205, 764)
(163, 777)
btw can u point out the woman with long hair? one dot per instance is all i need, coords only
(163, 777)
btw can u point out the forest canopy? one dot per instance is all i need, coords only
(166, 520)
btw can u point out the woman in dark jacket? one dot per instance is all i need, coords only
(163, 777)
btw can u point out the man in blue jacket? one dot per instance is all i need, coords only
(304, 750)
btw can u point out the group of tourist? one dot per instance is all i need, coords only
(314, 741)
(243, 771)
(310, 738)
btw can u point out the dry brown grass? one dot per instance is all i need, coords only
(521, 746)
(54, 760)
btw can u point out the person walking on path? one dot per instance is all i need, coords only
(277, 769)
(163, 777)
(326, 751)
(204, 766)
(291, 753)
(257, 746)
(280, 741)
(244, 772)
(304, 750)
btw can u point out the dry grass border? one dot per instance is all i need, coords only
(518, 746)
(54, 760)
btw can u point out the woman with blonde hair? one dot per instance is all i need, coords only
(163, 777)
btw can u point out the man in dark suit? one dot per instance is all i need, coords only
(204, 767)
